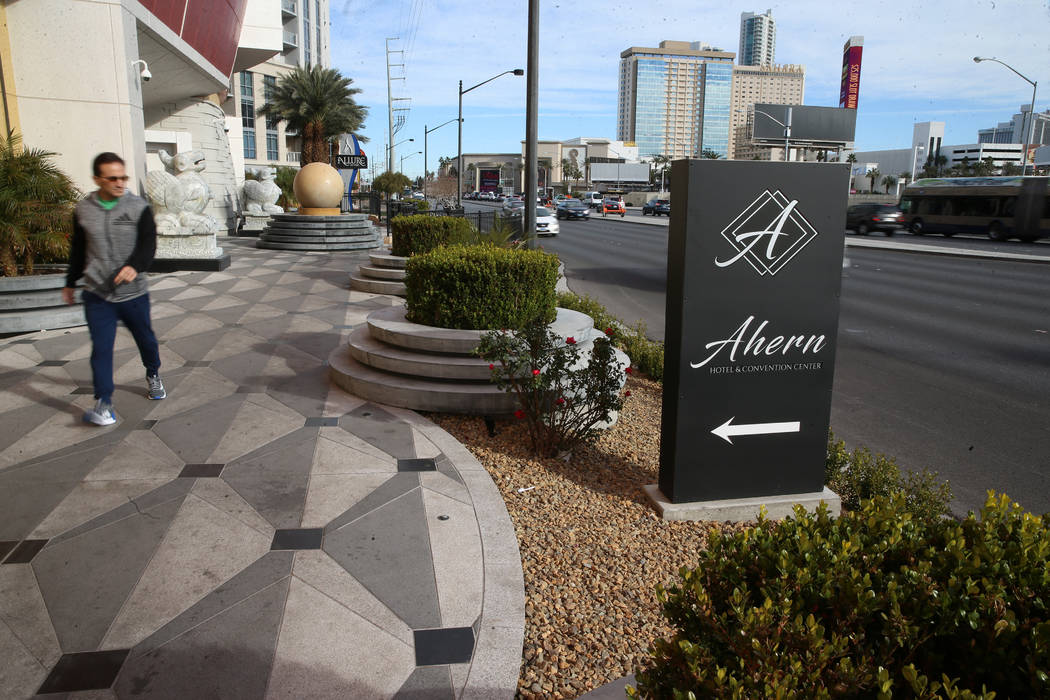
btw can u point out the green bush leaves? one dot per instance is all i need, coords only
(480, 287)
(875, 603)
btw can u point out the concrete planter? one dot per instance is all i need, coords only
(393, 361)
(34, 303)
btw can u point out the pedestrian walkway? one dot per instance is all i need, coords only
(258, 534)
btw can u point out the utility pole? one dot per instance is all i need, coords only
(390, 97)
(532, 89)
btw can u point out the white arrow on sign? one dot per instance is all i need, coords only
(727, 430)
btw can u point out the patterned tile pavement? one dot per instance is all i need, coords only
(258, 534)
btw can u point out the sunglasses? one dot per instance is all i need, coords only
(115, 178)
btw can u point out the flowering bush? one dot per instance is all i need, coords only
(564, 396)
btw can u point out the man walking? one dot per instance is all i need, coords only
(114, 240)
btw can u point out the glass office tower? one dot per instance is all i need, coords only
(675, 99)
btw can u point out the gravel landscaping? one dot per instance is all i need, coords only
(592, 547)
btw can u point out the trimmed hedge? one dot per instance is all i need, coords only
(875, 603)
(421, 233)
(481, 287)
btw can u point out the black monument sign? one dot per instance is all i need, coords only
(754, 269)
(347, 162)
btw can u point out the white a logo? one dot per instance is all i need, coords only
(786, 233)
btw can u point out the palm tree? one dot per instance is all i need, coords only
(888, 181)
(36, 203)
(873, 176)
(319, 103)
(710, 154)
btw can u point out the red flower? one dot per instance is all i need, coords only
(519, 414)
(628, 370)
(627, 393)
(570, 340)
(535, 372)
(608, 331)
(560, 401)
(492, 366)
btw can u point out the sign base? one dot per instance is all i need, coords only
(741, 509)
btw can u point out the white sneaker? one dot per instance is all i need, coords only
(101, 414)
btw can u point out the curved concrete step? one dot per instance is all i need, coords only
(389, 358)
(390, 326)
(362, 284)
(387, 260)
(277, 245)
(295, 237)
(381, 273)
(472, 398)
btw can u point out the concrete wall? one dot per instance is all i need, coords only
(77, 93)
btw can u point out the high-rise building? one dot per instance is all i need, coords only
(758, 39)
(674, 100)
(1015, 130)
(782, 85)
(305, 43)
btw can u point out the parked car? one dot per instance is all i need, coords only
(657, 207)
(613, 206)
(546, 222)
(573, 209)
(865, 218)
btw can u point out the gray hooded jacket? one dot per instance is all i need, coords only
(105, 241)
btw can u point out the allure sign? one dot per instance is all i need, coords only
(753, 277)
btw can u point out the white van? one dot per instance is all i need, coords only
(592, 199)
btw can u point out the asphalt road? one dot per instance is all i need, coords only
(943, 362)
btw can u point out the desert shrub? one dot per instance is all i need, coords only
(422, 233)
(875, 603)
(480, 287)
(647, 356)
(565, 393)
(859, 475)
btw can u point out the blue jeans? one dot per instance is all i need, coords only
(102, 317)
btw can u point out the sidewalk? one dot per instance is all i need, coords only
(258, 534)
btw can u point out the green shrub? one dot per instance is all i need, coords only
(421, 233)
(421, 204)
(859, 475)
(284, 179)
(480, 287)
(563, 399)
(874, 603)
(647, 356)
(36, 207)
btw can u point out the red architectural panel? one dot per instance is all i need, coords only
(169, 12)
(212, 27)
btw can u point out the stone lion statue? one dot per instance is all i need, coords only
(260, 195)
(179, 197)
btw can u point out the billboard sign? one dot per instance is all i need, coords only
(849, 93)
(489, 179)
(830, 125)
(754, 269)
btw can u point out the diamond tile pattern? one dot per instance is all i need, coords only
(167, 556)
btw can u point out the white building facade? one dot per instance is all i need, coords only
(758, 39)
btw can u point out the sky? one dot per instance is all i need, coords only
(917, 63)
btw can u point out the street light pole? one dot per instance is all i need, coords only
(787, 130)
(402, 168)
(459, 149)
(1031, 113)
(426, 132)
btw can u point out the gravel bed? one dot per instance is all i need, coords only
(592, 547)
